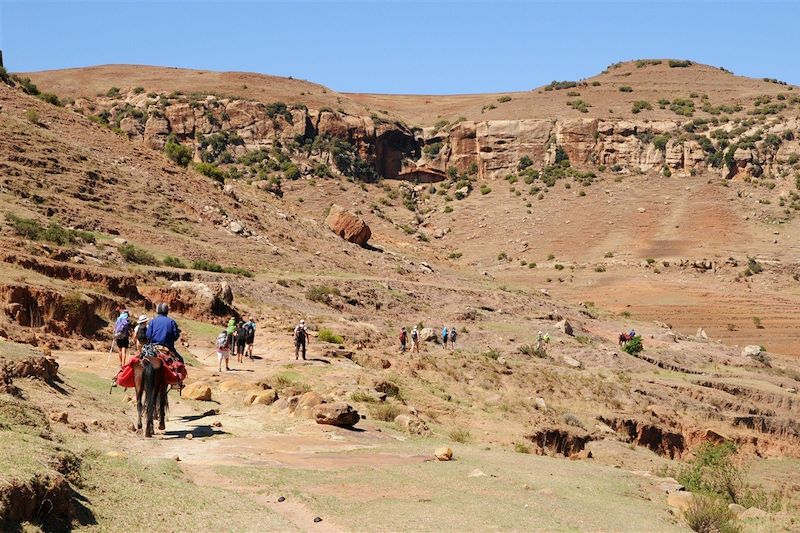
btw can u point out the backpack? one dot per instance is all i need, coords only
(222, 341)
(453, 334)
(122, 326)
(300, 334)
(141, 333)
(250, 332)
(403, 336)
(241, 334)
(414, 335)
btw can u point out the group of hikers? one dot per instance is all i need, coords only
(237, 338)
(161, 330)
(448, 338)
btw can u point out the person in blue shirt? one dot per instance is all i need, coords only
(444, 337)
(163, 330)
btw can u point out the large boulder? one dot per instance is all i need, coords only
(336, 414)
(197, 391)
(565, 327)
(267, 397)
(428, 335)
(443, 453)
(348, 226)
(751, 351)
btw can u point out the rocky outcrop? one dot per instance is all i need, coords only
(495, 147)
(197, 300)
(348, 226)
(336, 414)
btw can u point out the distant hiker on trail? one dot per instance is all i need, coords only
(444, 337)
(300, 339)
(241, 340)
(164, 331)
(542, 340)
(223, 350)
(231, 331)
(122, 333)
(403, 339)
(250, 338)
(140, 333)
(415, 340)
(453, 336)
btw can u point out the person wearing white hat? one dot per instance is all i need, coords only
(300, 339)
(140, 332)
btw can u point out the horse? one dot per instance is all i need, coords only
(624, 338)
(151, 383)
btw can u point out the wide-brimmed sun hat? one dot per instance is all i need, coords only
(142, 319)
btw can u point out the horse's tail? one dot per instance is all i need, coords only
(149, 378)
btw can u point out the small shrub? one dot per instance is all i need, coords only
(173, 262)
(208, 266)
(521, 447)
(609, 254)
(384, 411)
(321, 293)
(634, 346)
(326, 335)
(485, 189)
(363, 396)
(625, 89)
(502, 256)
(707, 514)
(492, 353)
(32, 116)
(599, 268)
(113, 92)
(459, 434)
(455, 255)
(757, 322)
(182, 155)
(211, 171)
(641, 105)
(134, 254)
(238, 271)
(50, 98)
(558, 266)
(504, 99)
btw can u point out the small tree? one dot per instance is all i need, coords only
(178, 153)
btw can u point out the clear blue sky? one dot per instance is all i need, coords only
(404, 47)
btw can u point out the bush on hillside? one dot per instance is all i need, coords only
(208, 266)
(54, 232)
(321, 293)
(32, 116)
(182, 155)
(640, 105)
(326, 335)
(134, 254)
(707, 514)
(210, 171)
(173, 262)
(673, 63)
(625, 89)
(50, 98)
(634, 346)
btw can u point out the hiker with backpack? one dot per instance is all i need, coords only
(250, 327)
(415, 340)
(241, 340)
(300, 339)
(122, 333)
(223, 350)
(140, 333)
(230, 329)
(453, 336)
(444, 337)
(403, 339)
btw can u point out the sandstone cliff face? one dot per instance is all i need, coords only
(494, 146)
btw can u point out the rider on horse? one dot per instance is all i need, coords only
(164, 331)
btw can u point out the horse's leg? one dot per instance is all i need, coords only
(150, 397)
(162, 403)
(139, 390)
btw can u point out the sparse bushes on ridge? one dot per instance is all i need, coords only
(54, 232)
(210, 266)
(579, 105)
(558, 85)
(682, 106)
(683, 63)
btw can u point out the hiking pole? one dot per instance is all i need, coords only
(110, 351)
